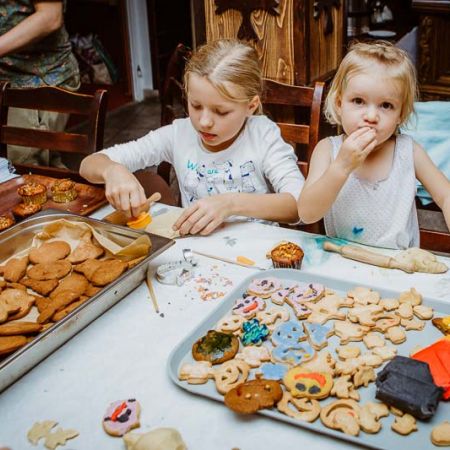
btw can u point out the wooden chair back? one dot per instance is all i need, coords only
(305, 104)
(59, 100)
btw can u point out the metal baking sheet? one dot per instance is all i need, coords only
(386, 438)
(19, 238)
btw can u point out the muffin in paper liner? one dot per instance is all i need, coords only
(33, 193)
(63, 191)
(287, 256)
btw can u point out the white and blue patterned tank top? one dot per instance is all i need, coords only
(382, 213)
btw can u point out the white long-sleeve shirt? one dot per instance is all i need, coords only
(258, 161)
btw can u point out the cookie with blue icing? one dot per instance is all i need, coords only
(302, 352)
(271, 371)
(318, 334)
(288, 334)
(254, 333)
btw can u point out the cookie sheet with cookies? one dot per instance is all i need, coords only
(369, 366)
(62, 265)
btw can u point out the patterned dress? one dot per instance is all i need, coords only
(49, 61)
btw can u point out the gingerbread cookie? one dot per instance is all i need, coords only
(121, 416)
(304, 408)
(215, 347)
(15, 269)
(303, 383)
(251, 396)
(49, 252)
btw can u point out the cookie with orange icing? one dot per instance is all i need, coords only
(304, 383)
(121, 416)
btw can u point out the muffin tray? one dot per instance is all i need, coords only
(386, 438)
(19, 237)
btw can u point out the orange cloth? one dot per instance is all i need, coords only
(437, 356)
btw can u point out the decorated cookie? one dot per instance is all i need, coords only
(302, 408)
(230, 324)
(198, 372)
(230, 374)
(303, 383)
(251, 396)
(264, 287)
(248, 307)
(254, 355)
(343, 388)
(342, 415)
(253, 332)
(271, 371)
(279, 297)
(288, 334)
(318, 334)
(442, 324)
(306, 292)
(440, 434)
(215, 347)
(121, 416)
(302, 352)
(404, 425)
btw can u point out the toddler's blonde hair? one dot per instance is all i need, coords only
(231, 66)
(361, 58)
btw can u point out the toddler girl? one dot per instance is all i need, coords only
(363, 182)
(228, 161)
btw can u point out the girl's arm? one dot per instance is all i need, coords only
(433, 180)
(327, 176)
(206, 214)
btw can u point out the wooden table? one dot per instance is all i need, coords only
(123, 354)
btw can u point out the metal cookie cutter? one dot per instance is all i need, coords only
(177, 272)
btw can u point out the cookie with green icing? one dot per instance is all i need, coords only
(215, 347)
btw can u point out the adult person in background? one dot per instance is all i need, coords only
(35, 51)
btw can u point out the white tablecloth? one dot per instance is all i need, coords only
(123, 353)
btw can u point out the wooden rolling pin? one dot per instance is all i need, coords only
(368, 257)
(120, 218)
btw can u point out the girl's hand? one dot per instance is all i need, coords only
(123, 190)
(356, 148)
(205, 215)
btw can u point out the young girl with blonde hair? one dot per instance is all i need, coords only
(228, 161)
(363, 182)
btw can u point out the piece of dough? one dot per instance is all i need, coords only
(422, 260)
(161, 225)
(158, 439)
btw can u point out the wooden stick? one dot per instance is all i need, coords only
(148, 280)
(227, 260)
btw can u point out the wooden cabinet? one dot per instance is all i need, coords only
(300, 41)
(434, 48)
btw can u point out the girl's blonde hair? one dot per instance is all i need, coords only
(361, 58)
(231, 66)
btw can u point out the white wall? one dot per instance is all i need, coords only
(141, 65)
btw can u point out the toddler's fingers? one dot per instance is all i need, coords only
(369, 148)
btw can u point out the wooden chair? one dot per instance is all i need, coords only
(305, 103)
(59, 100)
(172, 96)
